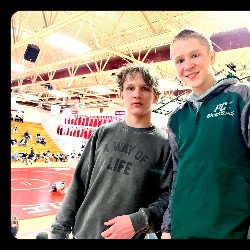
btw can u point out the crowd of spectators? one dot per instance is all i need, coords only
(33, 156)
(17, 118)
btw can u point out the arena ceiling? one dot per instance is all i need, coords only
(115, 38)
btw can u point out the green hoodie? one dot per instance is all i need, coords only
(210, 140)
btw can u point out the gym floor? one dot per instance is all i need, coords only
(31, 202)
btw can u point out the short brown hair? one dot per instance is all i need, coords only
(193, 33)
(150, 78)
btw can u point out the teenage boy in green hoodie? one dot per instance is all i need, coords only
(209, 136)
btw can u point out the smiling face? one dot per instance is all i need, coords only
(193, 62)
(138, 97)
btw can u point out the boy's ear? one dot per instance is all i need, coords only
(156, 98)
(212, 55)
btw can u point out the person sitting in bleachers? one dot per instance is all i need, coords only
(83, 146)
(15, 156)
(46, 156)
(26, 135)
(38, 137)
(13, 141)
(37, 157)
(16, 119)
(23, 142)
(72, 158)
(56, 156)
(31, 156)
(61, 157)
(15, 129)
(43, 141)
(21, 118)
(25, 158)
(78, 156)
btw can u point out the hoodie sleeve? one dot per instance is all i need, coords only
(245, 120)
(149, 219)
(65, 218)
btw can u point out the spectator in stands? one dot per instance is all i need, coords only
(37, 156)
(64, 157)
(38, 137)
(72, 158)
(32, 151)
(43, 141)
(52, 157)
(15, 129)
(11, 118)
(16, 119)
(21, 118)
(78, 156)
(83, 145)
(121, 183)
(56, 156)
(61, 156)
(31, 156)
(14, 226)
(46, 156)
(25, 158)
(15, 156)
(26, 135)
(23, 142)
(13, 141)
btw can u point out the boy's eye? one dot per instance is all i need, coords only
(180, 61)
(129, 88)
(146, 89)
(195, 55)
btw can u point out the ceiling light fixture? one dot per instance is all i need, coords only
(166, 84)
(100, 90)
(29, 97)
(67, 43)
(17, 67)
(58, 93)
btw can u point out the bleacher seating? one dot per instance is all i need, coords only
(33, 128)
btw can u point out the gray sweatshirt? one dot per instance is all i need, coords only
(122, 171)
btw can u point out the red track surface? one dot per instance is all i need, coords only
(30, 196)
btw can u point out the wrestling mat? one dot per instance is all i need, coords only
(30, 196)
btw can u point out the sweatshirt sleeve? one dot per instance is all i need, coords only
(65, 218)
(149, 219)
(166, 222)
